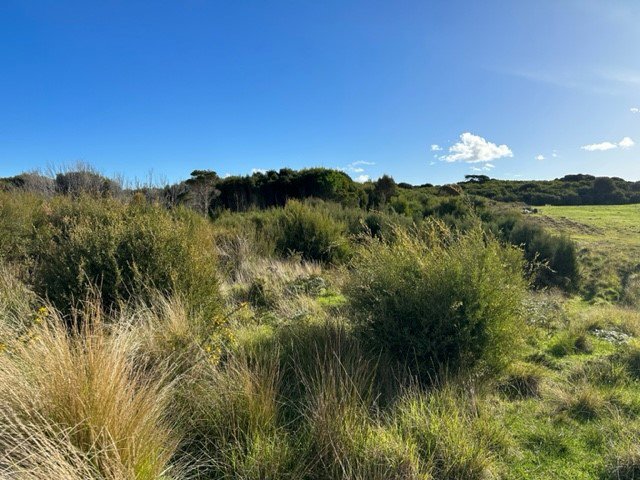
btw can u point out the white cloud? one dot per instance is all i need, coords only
(435, 147)
(362, 162)
(489, 165)
(362, 178)
(599, 147)
(475, 149)
(554, 154)
(258, 170)
(540, 157)
(432, 163)
(625, 143)
(635, 110)
(355, 168)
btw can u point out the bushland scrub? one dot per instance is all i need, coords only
(311, 340)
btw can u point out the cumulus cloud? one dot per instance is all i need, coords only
(554, 154)
(635, 110)
(625, 143)
(540, 157)
(435, 147)
(475, 149)
(257, 170)
(362, 178)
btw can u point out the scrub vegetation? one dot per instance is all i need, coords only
(312, 328)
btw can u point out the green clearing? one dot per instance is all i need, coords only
(609, 240)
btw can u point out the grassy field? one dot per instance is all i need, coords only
(609, 241)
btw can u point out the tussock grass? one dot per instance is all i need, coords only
(623, 453)
(85, 388)
(33, 450)
(449, 432)
(522, 380)
(346, 438)
(582, 402)
(17, 305)
(232, 419)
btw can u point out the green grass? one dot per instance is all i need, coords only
(598, 226)
(608, 237)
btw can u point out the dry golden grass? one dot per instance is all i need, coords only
(81, 394)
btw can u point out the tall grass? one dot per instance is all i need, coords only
(81, 394)
(449, 433)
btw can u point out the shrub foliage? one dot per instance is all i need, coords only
(119, 250)
(311, 232)
(434, 298)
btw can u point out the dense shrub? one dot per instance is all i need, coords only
(17, 213)
(557, 255)
(121, 250)
(312, 233)
(434, 298)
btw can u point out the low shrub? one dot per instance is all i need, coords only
(557, 256)
(121, 251)
(311, 232)
(434, 298)
(18, 212)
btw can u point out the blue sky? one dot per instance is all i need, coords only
(426, 91)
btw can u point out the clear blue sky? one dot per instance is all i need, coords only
(367, 86)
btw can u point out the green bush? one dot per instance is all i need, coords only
(437, 299)
(311, 232)
(18, 211)
(121, 251)
(558, 255)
